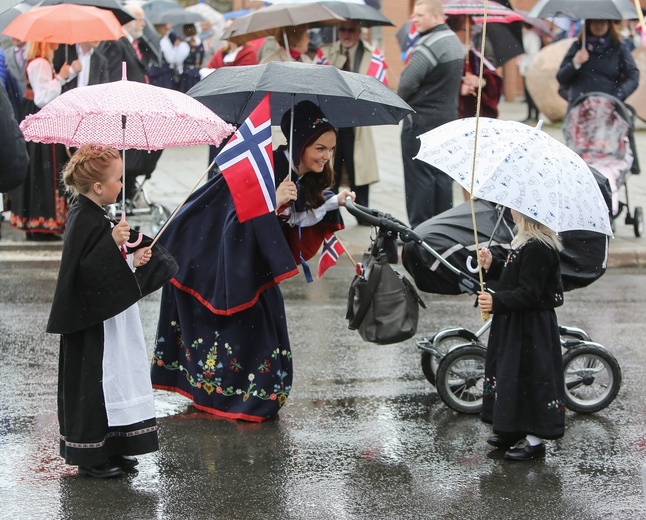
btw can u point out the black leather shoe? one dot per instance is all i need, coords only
(523, 450)
(107, 470)
(124, 461)
(503, 441)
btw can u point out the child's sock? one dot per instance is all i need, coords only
(533, 440)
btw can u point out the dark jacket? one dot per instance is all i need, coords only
(119, 51)
(430, 83)
(611, 69)
(99, 66)
(14, 160)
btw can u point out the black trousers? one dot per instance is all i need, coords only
(344, 155)
(429, 191)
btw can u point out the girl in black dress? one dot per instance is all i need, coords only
(523, 396)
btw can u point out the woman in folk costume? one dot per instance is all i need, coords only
(222, 336)
(105, 403)
(38, 206)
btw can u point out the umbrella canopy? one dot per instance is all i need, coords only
(176, 17)
(111, 5)
(477, 8)
(366, 15)
(154, 7)
(586, 9)
(522, 168)
(65, 23)
(265, 21)
(11, 13)
(347, 99)
(8, 4)
(155, 118)
(279, 2)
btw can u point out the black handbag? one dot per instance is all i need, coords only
(383, 305)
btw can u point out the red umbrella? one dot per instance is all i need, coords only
(65, 23)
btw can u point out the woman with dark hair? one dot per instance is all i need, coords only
(603, 64)
(222, 337)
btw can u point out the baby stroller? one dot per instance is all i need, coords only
(453, 359)
(142, 213)
(599, 127)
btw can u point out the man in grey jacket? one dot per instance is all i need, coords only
(430, 84)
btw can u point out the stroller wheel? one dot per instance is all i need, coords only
(638, 221)
(592, 378)
(460, 377)
(158, 217)
(431, 360)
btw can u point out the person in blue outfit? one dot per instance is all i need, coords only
(524, 391)
(604, 65)
(222, 338)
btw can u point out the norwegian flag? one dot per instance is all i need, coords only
(247, 163)
(412, 38)
(377, 67)
(321, 59)
(332, 250)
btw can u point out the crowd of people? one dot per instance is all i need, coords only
(205, 348)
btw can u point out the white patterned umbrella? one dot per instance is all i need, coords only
(520, 167)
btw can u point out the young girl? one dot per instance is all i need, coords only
(524, 388)
(105, 402)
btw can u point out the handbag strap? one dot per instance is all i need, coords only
(366, 300)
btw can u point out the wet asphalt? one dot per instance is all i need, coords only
(362, 436)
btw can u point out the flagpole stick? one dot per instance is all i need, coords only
(346, 251)
(182, 203)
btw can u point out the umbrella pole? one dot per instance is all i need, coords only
(640, 14)
(485, 315)
(123, 165)
(291, 140)
(182, 203)
(286, 42)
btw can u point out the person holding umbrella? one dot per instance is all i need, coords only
(38, 206)
(222, 337)
(292, 43)
(523, 393)
(603, 64)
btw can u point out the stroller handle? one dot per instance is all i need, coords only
(466, 282)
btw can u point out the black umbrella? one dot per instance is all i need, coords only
(8, 4)
(365, 14)
(506, 40)
(586, 9)
(347, 99)
(176, 17)
(154, 7)
(111, 5)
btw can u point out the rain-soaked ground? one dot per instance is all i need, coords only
(363, 434)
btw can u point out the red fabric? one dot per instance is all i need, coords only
(490, 93)
(246, 56)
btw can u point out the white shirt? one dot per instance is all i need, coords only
(84, 58)
(46, 87)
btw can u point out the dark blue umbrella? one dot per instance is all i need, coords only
(347, 99)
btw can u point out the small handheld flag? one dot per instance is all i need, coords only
(247, 163)
(412, 38)
(321, 59)
(332, 250)
(377, 67)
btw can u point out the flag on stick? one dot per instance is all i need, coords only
(321, 59)
(332, 250)
(413, 36)
(377, 67)
(247, 163)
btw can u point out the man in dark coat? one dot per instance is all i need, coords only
(430, 85)
(95, 65)
(14, 160)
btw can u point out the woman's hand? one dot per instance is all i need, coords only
(343, 194)
(142, 256)
(485, 258)
(76, 66)
(286, 192)
(65, 71)
(121, 233)
(485, 301)
(580, 57)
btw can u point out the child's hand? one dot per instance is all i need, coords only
(142, 256)
(485, 258)
(121, 232)
(485, 301)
